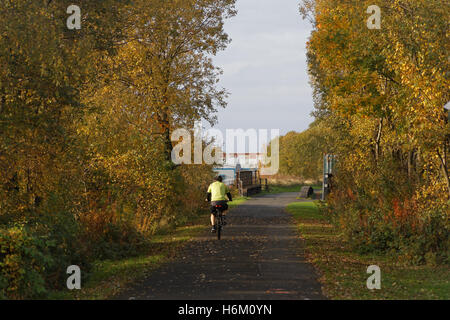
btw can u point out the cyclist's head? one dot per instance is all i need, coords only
(218, 178)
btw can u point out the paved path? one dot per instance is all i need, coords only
(259, 257)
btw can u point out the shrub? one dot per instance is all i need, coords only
(414, 235)
(24, 261)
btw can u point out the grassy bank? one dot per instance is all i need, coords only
(109, 277)
(343, 272)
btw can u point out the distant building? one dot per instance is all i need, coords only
(234, 163)
(245, 160)
(228, 173)
(233, 174)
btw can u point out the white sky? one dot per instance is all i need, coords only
(265, 68)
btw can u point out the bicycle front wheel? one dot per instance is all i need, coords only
(219, 231)
(219, 226)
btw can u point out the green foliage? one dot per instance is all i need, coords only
(86, 118)
(382, 94)
(301, 154)
(397, 228)
(24, 258)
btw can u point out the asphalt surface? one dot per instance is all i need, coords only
(260, 257)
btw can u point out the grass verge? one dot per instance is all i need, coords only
(275, 189)
(108, 277)
(343, 272)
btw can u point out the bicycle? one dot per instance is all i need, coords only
(219, 220)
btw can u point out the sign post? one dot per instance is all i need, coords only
(328, 170)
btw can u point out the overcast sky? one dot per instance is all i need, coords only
(265, 68)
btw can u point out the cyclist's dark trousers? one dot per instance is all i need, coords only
(215, 203)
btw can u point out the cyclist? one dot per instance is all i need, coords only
(217, 195)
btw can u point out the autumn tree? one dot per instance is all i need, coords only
(86, 117)
(382, 92)
(43, 69)
(301, 154)
(164, 70)
(161, 78)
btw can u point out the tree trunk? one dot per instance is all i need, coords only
(411, 166)
(164, 123)
(378, 141)
(444, 167)
(166, 134)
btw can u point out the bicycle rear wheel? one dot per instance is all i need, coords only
(219, 225)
